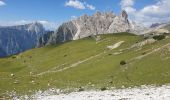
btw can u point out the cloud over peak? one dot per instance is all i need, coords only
(154, 13)
(79, 5)
(2, 3)
(75, 3)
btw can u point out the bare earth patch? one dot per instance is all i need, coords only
(116, 45)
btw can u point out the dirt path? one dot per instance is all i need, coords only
(147, 54)
(71, 66)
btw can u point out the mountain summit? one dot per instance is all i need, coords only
(98, 23)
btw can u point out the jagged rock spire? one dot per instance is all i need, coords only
(124, 15)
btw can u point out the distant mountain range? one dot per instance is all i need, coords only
(16, 39)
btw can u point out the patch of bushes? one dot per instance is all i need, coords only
(103, 89)
(13, 57)
(109, 54)
(123, 62)
(159, 37)
(81, 89)
(65, 55)
(143, 53)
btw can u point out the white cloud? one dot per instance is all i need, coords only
(79, 5)
(75, 3)
(48, 25)
(127, 3)
(155, 13)
(128, 6)
(2, 3)
(160, 9)
(73, 17)
(91, 7)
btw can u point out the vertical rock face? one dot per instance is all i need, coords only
(16, 39)
(124, 15)
(98, 23)
(65, 32)
(120, 24)
(43, 40)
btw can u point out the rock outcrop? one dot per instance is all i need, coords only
(98, 23)
(16, 39)
(157, 29)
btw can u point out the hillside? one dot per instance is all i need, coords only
(112, 60)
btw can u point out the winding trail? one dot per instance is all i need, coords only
(147, 54)
(71, 66)
(116, 45)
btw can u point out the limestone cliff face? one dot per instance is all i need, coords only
(120, 24)
(98, 23)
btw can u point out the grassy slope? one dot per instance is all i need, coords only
(101, 70)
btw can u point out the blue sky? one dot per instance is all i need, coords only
(54, 12)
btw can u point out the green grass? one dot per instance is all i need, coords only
(103, 70)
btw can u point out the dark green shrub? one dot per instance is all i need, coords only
(65, 55)
(159, 37)
(103, 89)
(13, 57)
(143, 53)
(122, 62)
(80, 89)
(109, 54)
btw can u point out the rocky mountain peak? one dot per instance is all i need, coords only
(124, 15)
(36, 27)
(98, 23)
(97, 14)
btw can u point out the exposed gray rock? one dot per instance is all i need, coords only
(16, 39)
(43, 40)
(64, 33)
(158, 29)
(98, 23)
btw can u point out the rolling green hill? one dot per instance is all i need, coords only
(88, 63)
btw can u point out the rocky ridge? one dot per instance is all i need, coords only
(16, 39)
(98, 23)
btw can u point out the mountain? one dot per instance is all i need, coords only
(98, 23)
(16, 39)
(156, 29)
(155, 25)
